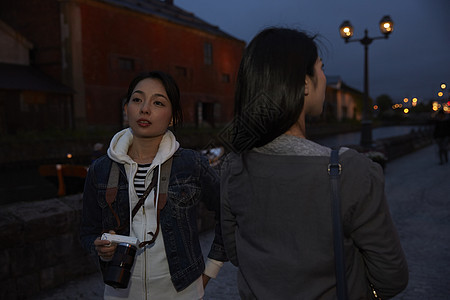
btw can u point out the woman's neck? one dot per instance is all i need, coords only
(143, 151)
(299, 127)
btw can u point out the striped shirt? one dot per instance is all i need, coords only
(139, 179)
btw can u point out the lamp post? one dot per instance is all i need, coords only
(346, 30)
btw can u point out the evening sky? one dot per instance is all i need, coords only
(411, 63)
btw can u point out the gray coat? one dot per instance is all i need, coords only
(277, 226)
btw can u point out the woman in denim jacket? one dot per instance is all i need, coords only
(171, 266)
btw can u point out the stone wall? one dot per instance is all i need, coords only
(40, 248)
(398, 146)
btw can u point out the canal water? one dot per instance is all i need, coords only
(354, 138)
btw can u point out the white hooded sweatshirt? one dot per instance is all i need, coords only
(150, 277)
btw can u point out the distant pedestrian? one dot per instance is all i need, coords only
(442, 135)
(275, 189)
(148, 201)
(97, 152)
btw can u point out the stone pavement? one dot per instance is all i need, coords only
(418, 192)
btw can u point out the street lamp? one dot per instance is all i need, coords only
(346, 30)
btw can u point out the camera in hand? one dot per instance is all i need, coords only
(118, 272)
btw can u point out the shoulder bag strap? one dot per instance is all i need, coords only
(164, 184)
(334, 170)
(111, 188)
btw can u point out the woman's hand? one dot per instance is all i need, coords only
(105, 249)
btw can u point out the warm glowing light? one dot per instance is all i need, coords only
(346, 30)
(375, 107)
(406, 110)
(440, 94)
(446, 108)
(443, 85)
(405, 100)
(436, 106)
(387, 27)
(69, 155)
(414, 99)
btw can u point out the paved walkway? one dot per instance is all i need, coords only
(418, 191)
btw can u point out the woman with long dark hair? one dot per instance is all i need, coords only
(275, 187)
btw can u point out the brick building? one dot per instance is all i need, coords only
(342, 102)
(96, 47)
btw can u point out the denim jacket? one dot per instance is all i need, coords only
(191, 180)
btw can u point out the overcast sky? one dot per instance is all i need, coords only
(411, 63)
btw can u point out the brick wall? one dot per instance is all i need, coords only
(110, 34)
(79, 43)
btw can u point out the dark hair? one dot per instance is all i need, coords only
(270, 85)
(171, 88)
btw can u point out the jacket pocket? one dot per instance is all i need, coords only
(184, 193)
